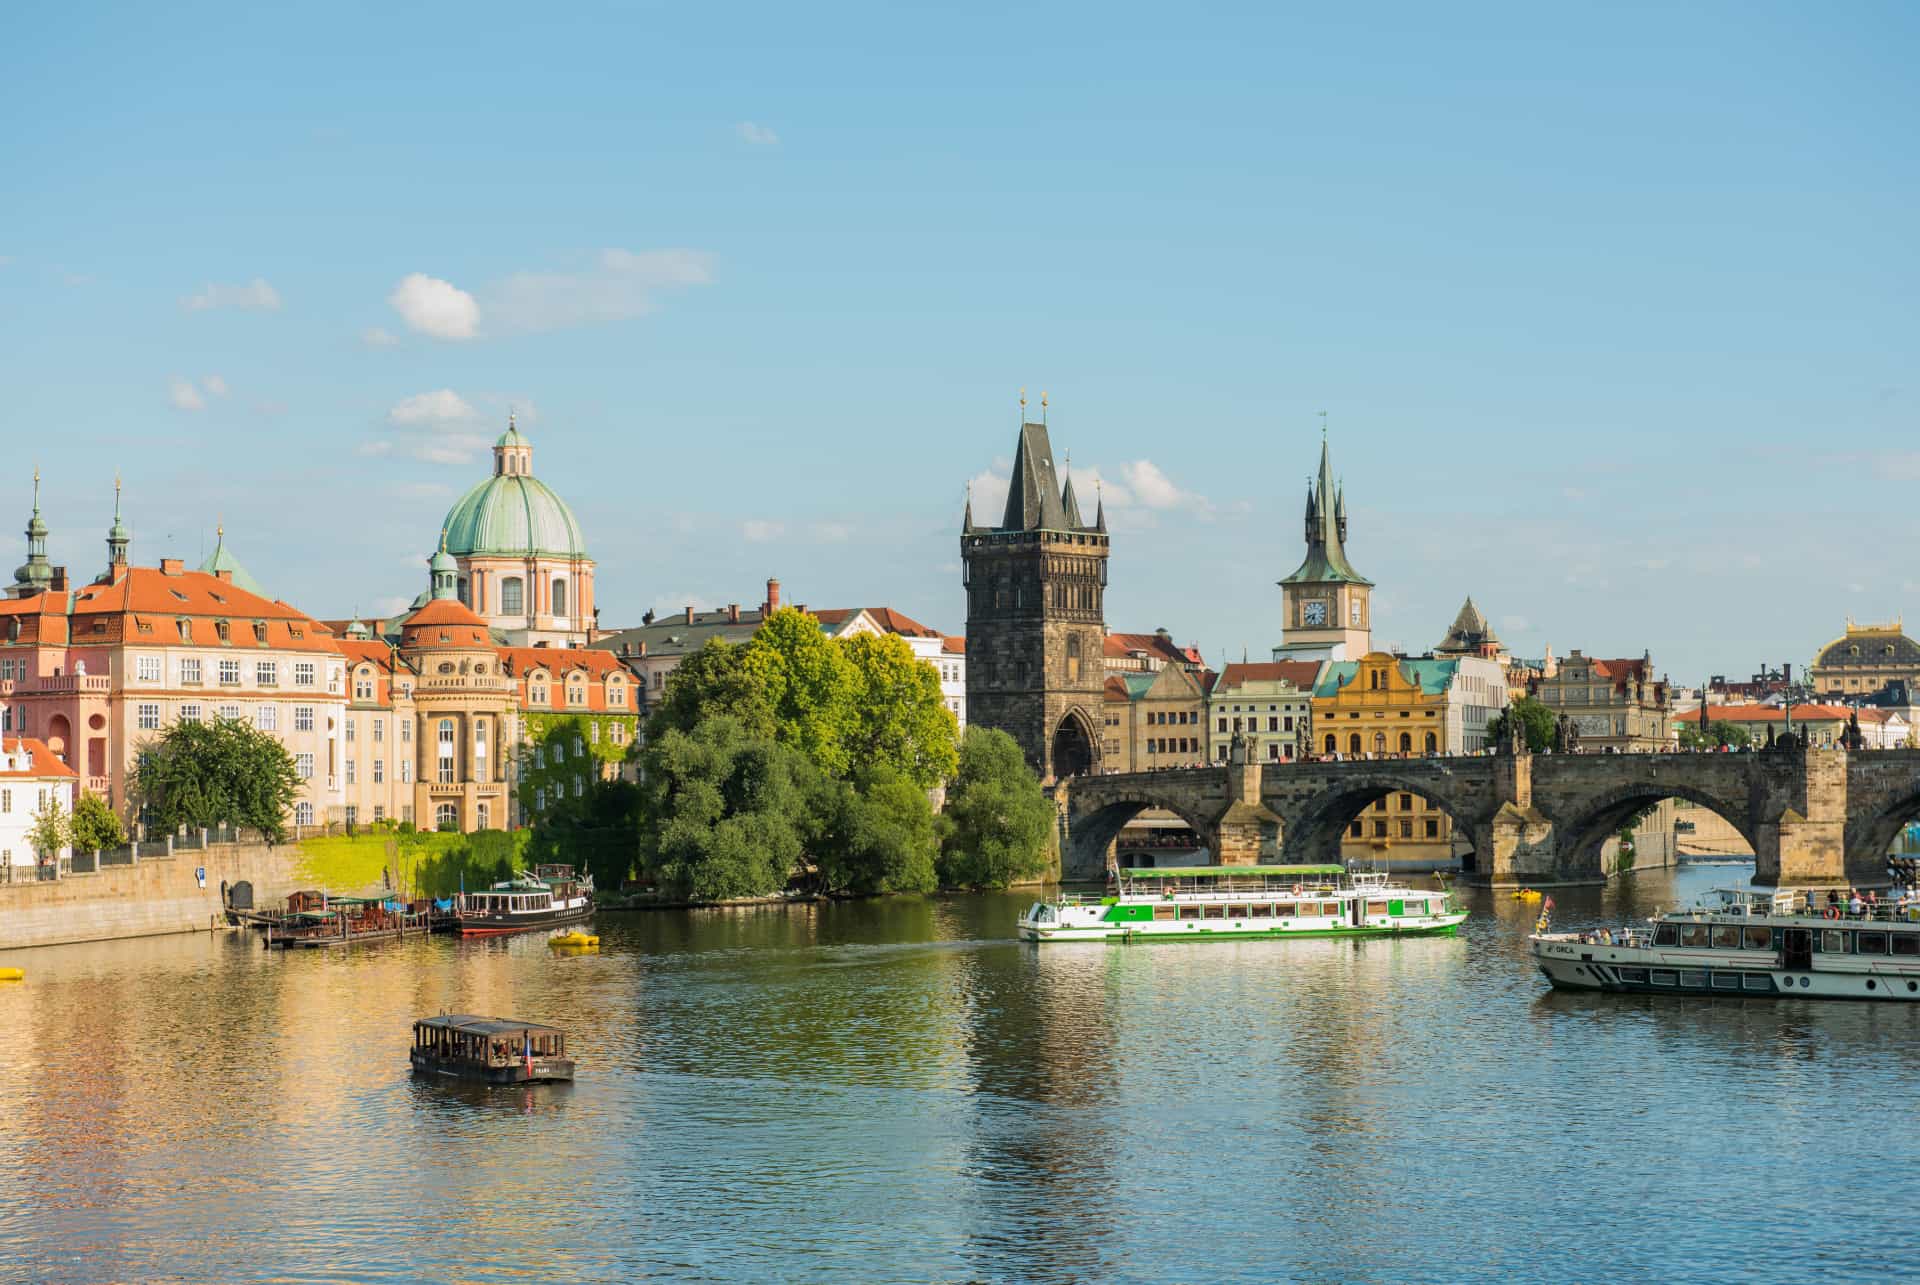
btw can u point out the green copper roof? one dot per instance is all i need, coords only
(221, 560)
(1432, 675)
(515, 515)
(511, 437)
(1326, 531)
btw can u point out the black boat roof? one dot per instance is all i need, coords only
(484, 1025)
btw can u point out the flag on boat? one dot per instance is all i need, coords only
(526, 1050)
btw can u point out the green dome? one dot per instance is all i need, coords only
(514, 515)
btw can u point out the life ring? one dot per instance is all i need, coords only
(1298, 889)
(1833, 912)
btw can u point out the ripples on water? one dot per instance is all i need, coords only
(898, 1091)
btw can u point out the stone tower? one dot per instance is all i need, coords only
(1036, 616)
(1327, 604)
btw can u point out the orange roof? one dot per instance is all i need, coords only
(1153, 644)
(1633, 668)
(894, 622)
(560, 660)
(1768, 714)
(1116, 689)
(445, 621)
(1301, 673)
(41, 759)
(954, 643)
(150, 603)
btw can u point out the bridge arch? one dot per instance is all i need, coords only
(1583, 831)
(1097, 817)
(1075, 747)
(1871, 833)
(1316, 826)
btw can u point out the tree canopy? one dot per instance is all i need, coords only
(1535, 719)
(95, 827)
(898, 716)
(1716, 735)
(221, 773)
(998, 822)
(51, 828)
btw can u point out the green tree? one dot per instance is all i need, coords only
(221, 773)
(598, 831)
(810, 684)
(1536, 719)
(715, 680)
(997, 821)
(876, 834)
(899, 717)
(95, 827)
(726, 815)
(1715, 736)
(51, 829)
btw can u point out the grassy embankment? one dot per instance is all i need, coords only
(427, 865)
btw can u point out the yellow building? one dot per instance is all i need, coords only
(1864, 660)
(1382, 706)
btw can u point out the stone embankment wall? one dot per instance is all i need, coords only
(157, 895)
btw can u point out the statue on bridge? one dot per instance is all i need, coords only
(1515, 742)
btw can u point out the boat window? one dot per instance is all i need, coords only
(1906, 944)
(1666, 935)
(1189, 912)
(1759, 938)
(1214, 912)
(1693, 934)
(1665, 977)
(1755, 981)
(1638, 975)
(1726, 936)
(1163, 912)
(1833, 942)
(1236, 912)
(1262, 911)
(1871, 943)
(1693, 977)
(1376, 907)
(1726, 981)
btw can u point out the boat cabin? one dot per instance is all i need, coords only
(497, 1050)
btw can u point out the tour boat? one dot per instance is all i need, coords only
(1753, 943)
(492, 1050)
(1213, 903)
(549, 897)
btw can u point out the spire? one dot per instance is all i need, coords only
(1033, 495)
(1067, 501)
(1099, 507)
(118, 537)
(442, 571)
(1326, 528)
(966, 522)
(35, 574)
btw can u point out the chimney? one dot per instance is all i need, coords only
(772, 604)
(733, 613)
(224, 575)
(689, 613)
(643, 647)
(800, 607)
(59, 582)
(171, 566)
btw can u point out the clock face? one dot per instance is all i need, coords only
(1314, 612)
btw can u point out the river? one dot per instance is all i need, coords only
(898, 1091)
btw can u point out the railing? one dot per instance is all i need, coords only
(59, 684)
(99, 785)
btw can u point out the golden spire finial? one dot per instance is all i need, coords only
(1043, 405)
(1023, 401)
(1323, 426)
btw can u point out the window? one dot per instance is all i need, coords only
(480, 738)
(351, 775)
(6, 800)
(149, 717)
(303, 718)
(266, 673)
(536, 695)
(229, 673)
(303, 813)
(540, 799)
(446, 817)
(1353, 745)
(596, 733)
(1726, 936)
(1406, 828)
(406, 731)
(512, 596)
(1759, 938)
(480, 816)
(353, 814)
(303, 764)
(1666, 935)
(363, 685)
(616, 693)
(1379, 829)
(446, 751)
(559, 752)
(379, 771)
(379, 812)
(1694, 935)
(379, 730)
(1073, 658)
(230, 711)
(189, 713)
(147, 668)
(559, 596)
(266, 717)
(1833, 942)
(406, 771)
(1871, 943)
(576, 691)
(303, 673)
(406, 813)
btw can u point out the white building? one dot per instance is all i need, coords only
(30, 777)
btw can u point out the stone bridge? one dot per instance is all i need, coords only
(1812, 815)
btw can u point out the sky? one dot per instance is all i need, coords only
(1610, 309)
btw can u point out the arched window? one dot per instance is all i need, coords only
(1379, 742)
(1406, 742)
(1073, 658)
(1333, 743)
(464, 592)
(1433, 745)
(1373, 680)
(559, 596)
(480, 816)
(512, 596)
(1353, 745)
(446, 817)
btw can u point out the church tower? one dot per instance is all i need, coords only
(1036, 616)
(1327, 604)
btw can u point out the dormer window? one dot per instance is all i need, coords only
(223, 630)
(260, 631)
(185, 627)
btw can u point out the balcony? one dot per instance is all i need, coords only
(59, 685)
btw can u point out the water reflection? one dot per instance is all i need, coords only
(897, 1090)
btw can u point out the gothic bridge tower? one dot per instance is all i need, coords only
(1036, 616)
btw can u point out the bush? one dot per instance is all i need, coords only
(95, 827)
(998, 820)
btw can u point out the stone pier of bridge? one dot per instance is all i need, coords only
(1812, 816)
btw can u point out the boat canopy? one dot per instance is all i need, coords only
(1235, 872)
(485, 1025)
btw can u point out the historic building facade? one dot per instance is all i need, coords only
(522, 563)
(1326, 605)
(1865, 659)
(1617, 706)
(1036, 603)
(1270, 704)
(1155, 719)
(31, 779)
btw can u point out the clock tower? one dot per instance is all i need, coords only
(1327, 604)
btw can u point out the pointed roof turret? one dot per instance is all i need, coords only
(966, 521)
(118, 537)
(1470, 632)
(222, 559)
(1067, 502)
(1099, 507)
(1326, 533)
(1033, 495)
(36, 573)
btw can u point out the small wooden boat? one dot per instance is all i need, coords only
(344, 921)
(490, 1050)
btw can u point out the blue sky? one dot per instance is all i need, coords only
(1611, 311)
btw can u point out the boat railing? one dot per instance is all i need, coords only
(1902, 910)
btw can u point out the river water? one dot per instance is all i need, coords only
(898, 1091)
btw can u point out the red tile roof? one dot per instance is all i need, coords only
(1301, 673)
(1771, 714)
(1118, 645)
(41, 759)
(893, 622)
(146, 605)
(955, 644)
(520, 661)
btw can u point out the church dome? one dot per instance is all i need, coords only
(513, 513)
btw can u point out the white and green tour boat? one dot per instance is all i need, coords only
(1216, 903)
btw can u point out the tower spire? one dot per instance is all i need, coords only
(118, 537)
(35, 574)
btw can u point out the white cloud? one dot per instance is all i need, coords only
(392, 606)
(435, 307)
(620, 285)
(758, 135)
(833, 532)
(760, 531)
(378, 337)
(215, 385)
(1156, 490)
(442, 406)
(183, 395)
(440, 427)
(1515, 624)
(987, 492)
(255, 294)
(1090, 486)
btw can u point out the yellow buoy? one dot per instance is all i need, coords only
(13, 974)
(573, 941)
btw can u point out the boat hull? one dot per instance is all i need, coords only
(550, 1070)
(468, 925)
(1582, 966)
(1122, 934)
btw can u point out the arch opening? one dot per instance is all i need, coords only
(1093, 831)
(1073, 753)
(1383, 824)
(1649, 827)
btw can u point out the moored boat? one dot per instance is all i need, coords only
(550, 897)
(1213, 903)
(341, 921)
(1752, 943)
(490, 1050)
